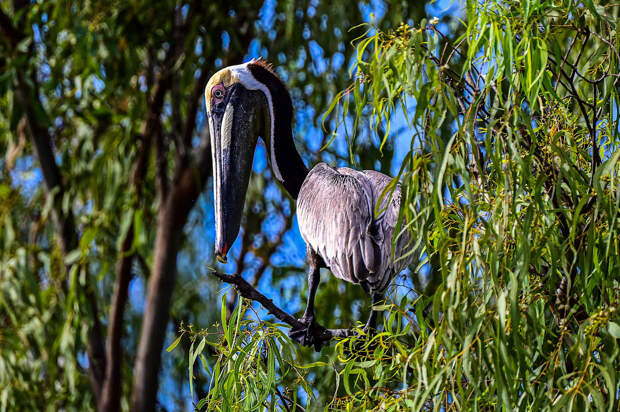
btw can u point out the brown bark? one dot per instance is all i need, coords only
(111, 392)
(156, 316)
(110, 399)
(184, 191)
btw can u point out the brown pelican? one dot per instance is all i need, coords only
(335, 206)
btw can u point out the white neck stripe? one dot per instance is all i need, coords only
(246, 78)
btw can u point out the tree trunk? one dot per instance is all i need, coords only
(171, 220)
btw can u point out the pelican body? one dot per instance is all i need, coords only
(335, 206)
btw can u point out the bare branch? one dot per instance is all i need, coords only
(187, 186)
(246, 290)
(570, 47)
(583, 47)
(111, 391)
(161, 165)
(596, 159)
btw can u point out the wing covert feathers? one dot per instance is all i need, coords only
(335, 211)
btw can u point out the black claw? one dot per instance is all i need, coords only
(304, 335)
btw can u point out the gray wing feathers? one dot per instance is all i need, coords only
(387, 221)
(335, 211)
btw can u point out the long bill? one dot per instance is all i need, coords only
(233, 141)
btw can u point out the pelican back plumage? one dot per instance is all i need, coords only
(336, 216)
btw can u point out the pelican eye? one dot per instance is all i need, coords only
(218, 93)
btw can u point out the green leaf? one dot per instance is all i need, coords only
(508, 52)
(313, 365)
(199, 349)
(271, 364)
(614, 330)
(201, 404)
(73, 256)
(174, 344)
(190, 366)
(442, 169)
(590, 5)
(87, 238)
(501, 309)
(223, 319)
(125, 224)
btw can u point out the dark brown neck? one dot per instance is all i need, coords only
(286, 163)
(287, 160)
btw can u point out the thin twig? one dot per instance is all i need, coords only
(284, 402)
(570, 47)
(583, 47)
(596, 159)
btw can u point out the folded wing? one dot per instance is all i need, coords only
(336, 216)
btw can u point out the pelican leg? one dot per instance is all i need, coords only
(314, 277)
(371, 324)
(304, 335)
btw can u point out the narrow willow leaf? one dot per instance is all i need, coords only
(501, 309)
(201, 404)
(590, 5)
(614, 330)
(174, 344)
(190, 366)
(224, 320)
(73, 256)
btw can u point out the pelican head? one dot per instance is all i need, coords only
(240, 108)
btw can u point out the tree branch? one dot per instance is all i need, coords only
(187, 186)
(320, 334)
(112, 384)
(111, 391)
